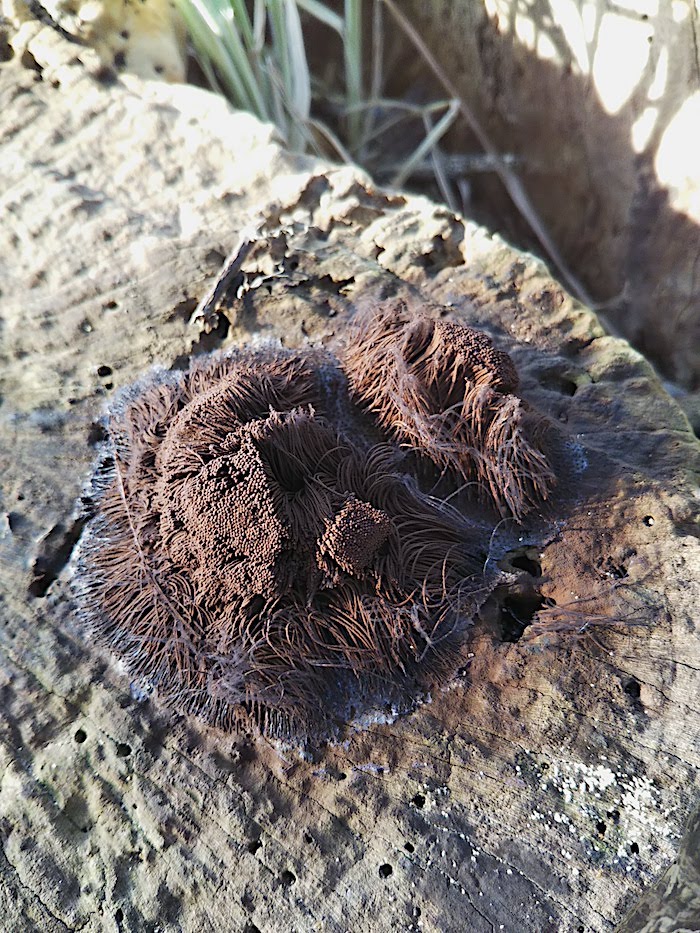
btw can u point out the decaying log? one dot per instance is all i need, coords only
(547, 786)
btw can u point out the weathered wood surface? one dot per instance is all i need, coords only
(545, 789)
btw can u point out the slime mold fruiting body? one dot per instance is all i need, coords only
(260, 557)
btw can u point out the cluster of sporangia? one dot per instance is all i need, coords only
(262, 551)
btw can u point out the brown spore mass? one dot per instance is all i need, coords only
(354, 536)
(261, 556)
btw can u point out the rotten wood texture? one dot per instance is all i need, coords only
(230, 275)
(545, 788)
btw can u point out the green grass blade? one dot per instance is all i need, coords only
(275, 9)
(243, 23)
(259, 25)
(352, 47)
(421, 151)
(377, 63)
(241, 63)
(289, 54)
(439, 172)
(299, 67)
(206, 33)
(322, 13)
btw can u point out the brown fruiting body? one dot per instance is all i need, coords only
(353, 537)
(446, 392)
(257, 559)
(252, 562)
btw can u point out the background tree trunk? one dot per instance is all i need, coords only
(599, 103)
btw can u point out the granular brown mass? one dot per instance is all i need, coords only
(232, 527)
(354, 536)
(258, 562)
(446, 355)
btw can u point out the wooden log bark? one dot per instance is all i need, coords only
(546, 787)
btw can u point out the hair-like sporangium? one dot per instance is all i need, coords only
(255, 562)
(260, 552)
(446, 392)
